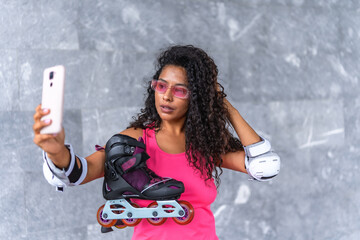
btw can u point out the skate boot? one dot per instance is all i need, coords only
(127, 176)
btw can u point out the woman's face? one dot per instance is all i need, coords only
(168, 106)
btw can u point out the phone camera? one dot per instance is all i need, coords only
(51, 75)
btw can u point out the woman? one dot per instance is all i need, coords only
(184, 126)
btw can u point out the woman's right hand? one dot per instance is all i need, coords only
(53, 144)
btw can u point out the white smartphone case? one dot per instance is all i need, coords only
(53, 98)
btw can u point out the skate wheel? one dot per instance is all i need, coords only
(155, 221)
(120, 225)
(189, 213)
(104, 222)
(132, 222)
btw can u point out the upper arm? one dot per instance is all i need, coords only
(132, 132)
(234, 161)
(95, 165)
(96, 161)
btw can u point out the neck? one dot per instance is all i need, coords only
(173, 127)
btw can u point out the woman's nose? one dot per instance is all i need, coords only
(168, 94)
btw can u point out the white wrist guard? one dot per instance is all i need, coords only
(70, 176)
(261, 162)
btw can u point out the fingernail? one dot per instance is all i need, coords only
(47, 121)
(45, 110)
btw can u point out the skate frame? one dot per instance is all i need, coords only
(122, 209)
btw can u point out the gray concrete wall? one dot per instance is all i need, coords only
(290, 67)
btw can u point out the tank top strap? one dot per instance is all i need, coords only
(149, 136)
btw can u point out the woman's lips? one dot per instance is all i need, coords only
(166, 109)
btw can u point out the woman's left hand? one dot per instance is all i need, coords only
(227, 104)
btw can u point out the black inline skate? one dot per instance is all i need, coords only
(127, 176)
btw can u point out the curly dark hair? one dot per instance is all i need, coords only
(206, 125)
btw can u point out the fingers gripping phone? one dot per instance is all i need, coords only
(53, 98)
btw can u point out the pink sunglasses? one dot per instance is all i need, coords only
(178, 91)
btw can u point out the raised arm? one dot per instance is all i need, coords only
(257, 159)
(62, 167)
(247, 136)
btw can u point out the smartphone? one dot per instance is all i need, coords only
(53, 98)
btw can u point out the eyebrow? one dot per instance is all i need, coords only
(177, 84)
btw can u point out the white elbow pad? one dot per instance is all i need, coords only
(261, 163)
(61, 178)
(53, 180)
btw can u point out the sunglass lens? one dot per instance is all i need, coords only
(161, 87)
(180, 92)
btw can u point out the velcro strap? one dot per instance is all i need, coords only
(76, 172)
(258, 148)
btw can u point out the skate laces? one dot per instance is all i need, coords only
(154, 178)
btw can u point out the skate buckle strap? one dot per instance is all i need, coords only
(120, 150)
(120, 139)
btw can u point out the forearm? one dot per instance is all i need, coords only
(61, 159)
(246, 134)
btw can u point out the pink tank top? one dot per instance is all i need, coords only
(198, 192)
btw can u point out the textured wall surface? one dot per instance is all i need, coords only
(291, 67)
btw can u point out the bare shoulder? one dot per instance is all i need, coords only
(133, 132)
